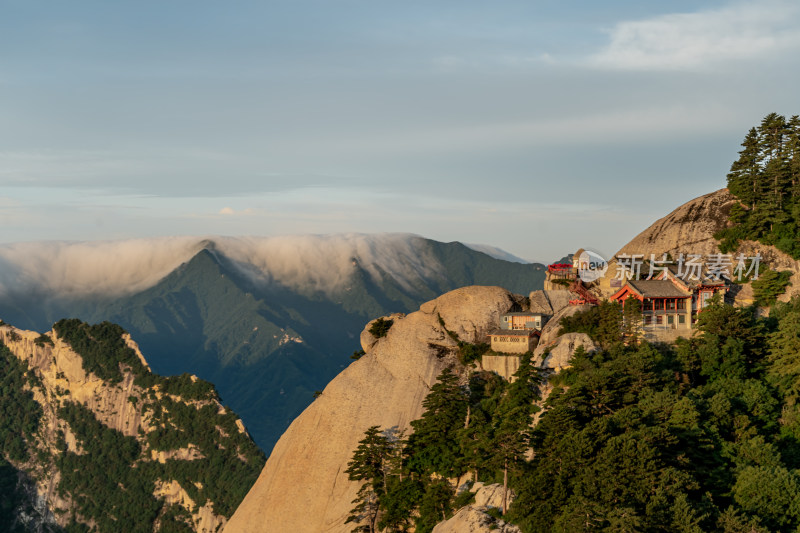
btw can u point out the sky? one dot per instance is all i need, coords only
(535, 126)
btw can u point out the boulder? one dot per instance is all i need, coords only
(367, 339)
(557, 356)
(472, 520)
(491, 495)
(549, 302)
(550, 330)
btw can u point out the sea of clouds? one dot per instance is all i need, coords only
(115, 268)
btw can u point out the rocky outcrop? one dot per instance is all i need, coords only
(549, 302)
(553, 326)
(190, 453)
(61, 369)
(367, 339)
(473, 518)
(491, 495)
(303, 487)
(203, 518)
(557, 355)
(470, 519)
(689, 227)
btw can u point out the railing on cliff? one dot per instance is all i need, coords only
(586, 297)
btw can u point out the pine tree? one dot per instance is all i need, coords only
(433, 447)
(436, 505)
(744, 177)
(793, 153)
(514, 419)
(609, 327)
(784, 356)
(772, 133)
(774, 167)
(475, 439)
(632, 320)
(365, 512)
(766, 180)
(370, 464)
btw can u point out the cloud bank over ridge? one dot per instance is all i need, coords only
(115, 268)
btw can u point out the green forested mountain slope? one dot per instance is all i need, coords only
(90, 439)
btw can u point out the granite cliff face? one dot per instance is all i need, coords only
(57, 378)
(303, 487)
(690, 227)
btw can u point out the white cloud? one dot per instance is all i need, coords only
(307, 263)
(687, 41)
(229, 212)
(91, 268)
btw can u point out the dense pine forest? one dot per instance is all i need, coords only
(766, 180)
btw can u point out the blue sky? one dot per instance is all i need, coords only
(537, 127)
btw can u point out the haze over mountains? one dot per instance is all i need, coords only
(268, 320)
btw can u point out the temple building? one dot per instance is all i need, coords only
(516, 341)
(518, 333)
(702, 289)
(670, 304)
(524, 320)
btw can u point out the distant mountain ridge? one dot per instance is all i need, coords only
(66, 269)
(497, 253)
(268, 320)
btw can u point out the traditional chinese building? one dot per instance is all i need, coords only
(562, 271)
(664, 304)
(670, 304)
(559, 276)
(517, 341)
(525, 320)
(702, 288)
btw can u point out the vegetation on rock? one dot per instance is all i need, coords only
(766, 180)
(468, 352)
(109, 478)
(380, 327)
(478, 427)
(603, 323)
(19, 412)
(769, 285)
